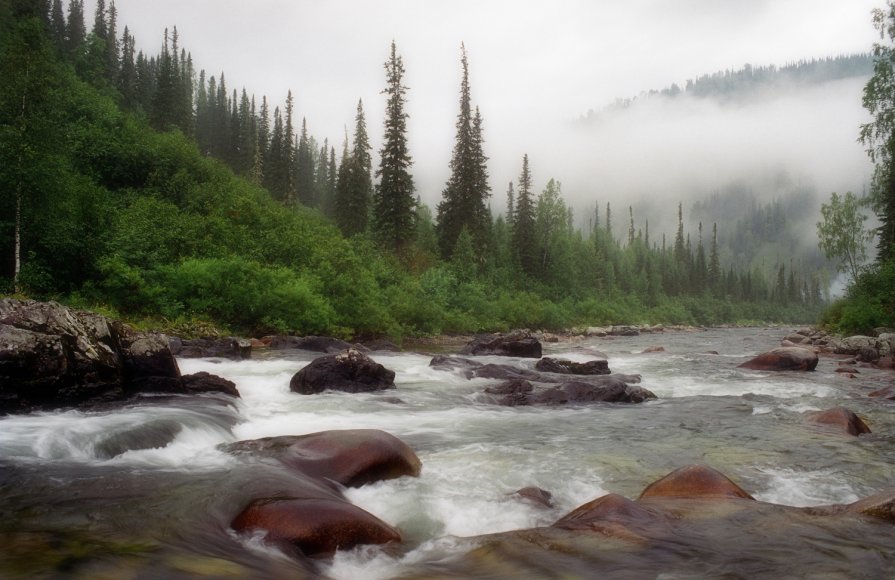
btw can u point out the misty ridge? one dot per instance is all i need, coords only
(757, 135)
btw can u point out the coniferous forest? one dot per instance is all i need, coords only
(143, 185)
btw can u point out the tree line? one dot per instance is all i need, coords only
(134, 211)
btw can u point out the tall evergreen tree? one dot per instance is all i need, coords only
(57, 26)
(127, 72)
(76, 30)
(715, 273)
(304, 168)
(464, 197)
(288, 153)
(393, 200)
(524, 234)
(511, 205)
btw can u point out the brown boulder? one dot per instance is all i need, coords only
(318, 527)
(840, 419)
(695, 481)
(651, 349)
(350, 371)
(352, 457)
(884, 393)
(784, 358)
(610, 507)
(880, 505)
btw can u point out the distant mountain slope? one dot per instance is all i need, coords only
(750, 81)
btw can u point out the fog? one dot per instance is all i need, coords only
(535, 68)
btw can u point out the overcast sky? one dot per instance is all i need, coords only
(534, 67)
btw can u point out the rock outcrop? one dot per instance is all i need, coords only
(350, 371)
(52, 356)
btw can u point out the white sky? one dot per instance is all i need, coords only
(534, 67)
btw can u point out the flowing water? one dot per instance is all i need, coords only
(144, 491)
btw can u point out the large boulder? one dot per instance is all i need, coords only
(518, 343)
(52, 356)
(784, 358)
(315, 526)
(694, 481)
(350, 371)
(352, 457)
(567, 367)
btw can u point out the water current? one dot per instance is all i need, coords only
(144, 491)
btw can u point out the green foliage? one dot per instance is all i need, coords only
(841, 232)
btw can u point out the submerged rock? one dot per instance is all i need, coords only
(785, 358)
(517, 343)
(350, 371)
(316, 526)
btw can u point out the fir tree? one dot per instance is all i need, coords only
(511, 205)
(463, 199)
(715, 274)
(524, 235)
(76, 30)
(394, 210)
(304, 169)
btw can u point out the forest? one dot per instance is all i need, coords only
(135, 185)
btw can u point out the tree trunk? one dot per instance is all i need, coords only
(18, 240)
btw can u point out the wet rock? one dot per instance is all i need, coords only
(796, 338)
(880, 505)
(52, 356)
(151, 435)
(229, 347)
(324, 344)
(694, 481)
(791, 358)
(203, 382)
(317, 527)
(886, 363)
(535, 495)
(609, 391)
(350, 371)
(512, 387)
(885, 393)
(651, 349)
(846, 370)
(352, 457)
(517, 344)
(868, 354)
(605, 513)
(841, 420)
(566, 367)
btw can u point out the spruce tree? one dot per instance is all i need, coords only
(463, 199)
(524, 235)
(304, 169)
(511, 205)
(393, 200)
(287, 153)
(76, 30)
(715, 274)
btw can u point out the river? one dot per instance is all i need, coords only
(76, 503)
